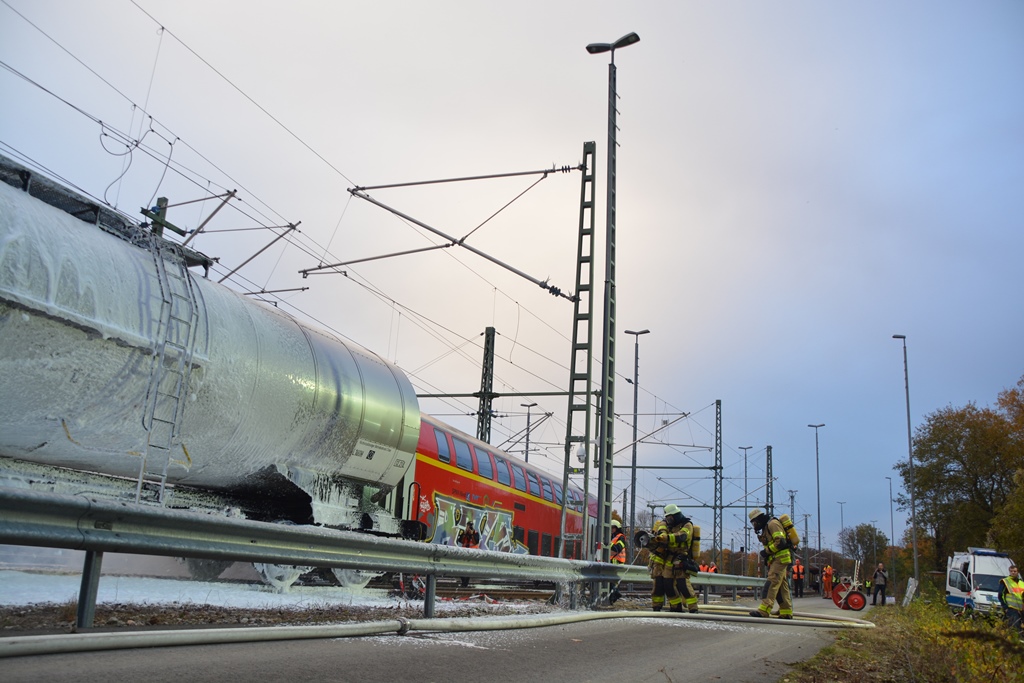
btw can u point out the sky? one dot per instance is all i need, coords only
(796, 183)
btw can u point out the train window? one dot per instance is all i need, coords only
(531, 541)
(463, 458)
(502, 467)
(517, 472)
(518, 533)
(545, 545)
(534, 486)
(546, 488)
(483, 463)
(558, 493)
(443, 454)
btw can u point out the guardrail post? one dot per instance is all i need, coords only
(429, 595)
(90, 587)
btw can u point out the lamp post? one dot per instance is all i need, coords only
(632, 477)
(606, 423)
(528, 406)
(817, 478)
(892, 539)
(874, 548)
(910, 457)
(746, 525)
(841, 524)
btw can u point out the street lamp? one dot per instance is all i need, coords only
(892, 538)
(910, 457)
(528, 406)
(746, 525)
(636, 389)
(817, 479)
(874, 537)
(605, 429)
(842, 525)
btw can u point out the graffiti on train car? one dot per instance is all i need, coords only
(450, 516)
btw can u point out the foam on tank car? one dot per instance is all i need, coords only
(271, 403)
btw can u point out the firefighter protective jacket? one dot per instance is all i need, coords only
(773, 538)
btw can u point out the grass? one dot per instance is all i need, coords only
(922, 643)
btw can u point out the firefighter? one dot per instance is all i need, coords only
(681, 564)
(777, 558)
(657, 548)
(618, 556)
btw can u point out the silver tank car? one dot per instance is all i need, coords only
(116, 359)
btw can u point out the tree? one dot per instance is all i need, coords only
(965, 462)
(1007, 531)
(865, 543)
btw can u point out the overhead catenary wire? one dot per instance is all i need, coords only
(302, 242)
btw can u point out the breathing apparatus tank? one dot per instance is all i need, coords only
(695, 544)
(790, 529)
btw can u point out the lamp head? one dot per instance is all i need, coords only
(899, 336)
(624, 41)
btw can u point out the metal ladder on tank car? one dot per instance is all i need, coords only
(175, 340)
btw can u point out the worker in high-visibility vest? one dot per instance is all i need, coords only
(798, 579)
(826, 581)
(1011, 597)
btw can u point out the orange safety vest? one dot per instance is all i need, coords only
(469, 539)
(618, 548)
(798, 571)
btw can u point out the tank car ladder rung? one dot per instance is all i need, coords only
(172, 364)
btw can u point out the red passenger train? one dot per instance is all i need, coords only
(514, 506)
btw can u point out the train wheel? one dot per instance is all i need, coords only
(205, 570)
(856, 601)
(280, 576)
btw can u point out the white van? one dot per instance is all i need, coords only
(972, 578)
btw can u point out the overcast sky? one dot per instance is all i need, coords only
(797, 182)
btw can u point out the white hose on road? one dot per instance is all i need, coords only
(21, 646)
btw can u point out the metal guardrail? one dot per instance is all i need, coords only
(97, 525)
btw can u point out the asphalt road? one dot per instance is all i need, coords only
(616, 650)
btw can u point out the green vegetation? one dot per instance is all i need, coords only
(968, 480)
(923, 643)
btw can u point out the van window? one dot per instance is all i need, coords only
(502, 468)
(483, 464)
(462, 456)
(443, 454)
(517, 472)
